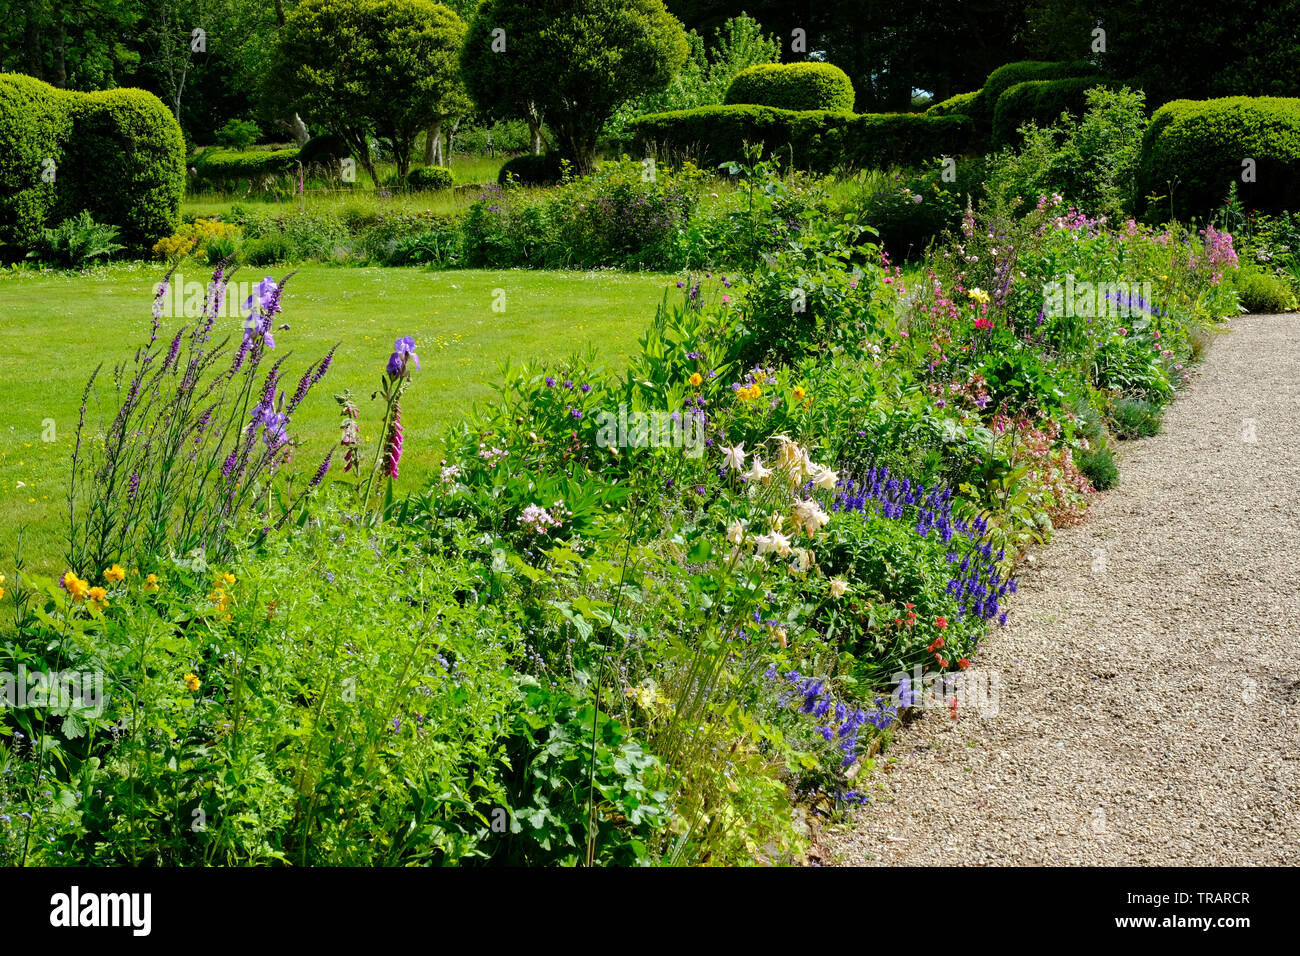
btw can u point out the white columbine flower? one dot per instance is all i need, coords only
(839, 587)
(775, 541)
(823, 477)
(736, 531)
(802, 559)
(734, 458)
(757, 473)
(809, 516)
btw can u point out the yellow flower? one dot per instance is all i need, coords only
(151, 583)
(114, 574)
(2, 587)
(979, 295)
(799, 393)
(192, 681)
(228, 578)
(697, 380)
(98, 599)
(219, 598)
(75, 586)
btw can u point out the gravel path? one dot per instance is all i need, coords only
(1149, 705)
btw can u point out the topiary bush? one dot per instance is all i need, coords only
(819, 140)
(963, 104)
(1041, 102)
(327, 150)
(430, 178)
(117, 154)
(1194, 150)
(224, 166)
(792, 86)
(531, 170)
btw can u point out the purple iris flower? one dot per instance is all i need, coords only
(403, 352)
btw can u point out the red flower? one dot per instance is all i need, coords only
(942, 662)
(938, 643)
(941, 622)
(963, 663)
(898, 620)
(983, 322)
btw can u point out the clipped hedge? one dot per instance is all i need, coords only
(327, 149)
(532, 170)
(792, 86)
(963, 104)
(118, 154)
(226, 165)
(430, 178)
(1193, 150)
(1041, 102)
(819, 140)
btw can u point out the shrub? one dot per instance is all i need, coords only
(266, 251)
(238, 134)
(815, 139)
(1098, 464)
(963, 104)
(1023, 71)
(325, 151)
(910, 212)
(1038, 101)
(530, 170)
(117, 154)
(225, 166)
(792, 86)
(192, 237)
(76, 242)
(1136, 418)
(1194, 149)
(430, 178)
(1263, 292)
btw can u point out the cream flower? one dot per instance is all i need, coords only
(823, 477)
(802, 559)
(757, 473)
(734, 458)
(775, 541)
(736, 531)
(809, 515)
(839, 587)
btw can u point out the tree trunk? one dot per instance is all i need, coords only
(535, 128)
(433, 144)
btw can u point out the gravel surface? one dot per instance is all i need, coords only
(1149, 699)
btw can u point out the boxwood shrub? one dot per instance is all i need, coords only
(222, 166)
(819, 140)
(792, 86)
(532, 170)
(430, 178)
(118, 154)
(1039, 101)
(963, 104)
(1194, 149)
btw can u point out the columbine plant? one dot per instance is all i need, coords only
(392, 386)
(196, 438)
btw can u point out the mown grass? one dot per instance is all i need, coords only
(56, 327)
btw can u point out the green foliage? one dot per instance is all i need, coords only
(1098, 464)
(1264, 292)
(1136, 418)
(546, 169)
(220, 167)
(76, 242)
(963, 104)
(818, 140)
(430, 178)
(573, 64)
(238, 134)
(381, 68)
(1038, 101)
(325, 151)
(1023, 71)
(1195, 149)
(793, 86)
(118, 154)
(908, 212)
(739, 43)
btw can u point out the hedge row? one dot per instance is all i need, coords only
(118, 154)
(1194, 150)
(820, 140)
(1041, 102)
(792, 86)
(225, 165)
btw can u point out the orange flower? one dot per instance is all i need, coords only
(192, 681)
(75, 586)
(98, 599)
(115, 574)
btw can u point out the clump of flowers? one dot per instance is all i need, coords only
(192, 237)
(538, 520)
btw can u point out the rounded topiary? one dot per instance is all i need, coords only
(429, 178)
(118, 154)
(793, 86)
(963, 104)
(325, 150)
(1193, 150)
(532, 170)
(1041, 102)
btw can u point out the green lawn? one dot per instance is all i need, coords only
(55, 327)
